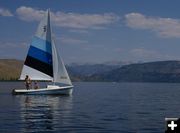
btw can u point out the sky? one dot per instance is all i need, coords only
(95, 31)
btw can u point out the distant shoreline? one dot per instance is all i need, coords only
(149, 72)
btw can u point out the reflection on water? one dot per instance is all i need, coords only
(42, 113)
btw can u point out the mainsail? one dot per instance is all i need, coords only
(42, 61)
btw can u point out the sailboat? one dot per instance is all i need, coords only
(43, 63)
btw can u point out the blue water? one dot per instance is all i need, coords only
(93, 108)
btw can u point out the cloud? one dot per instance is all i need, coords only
(5, 12)
(70, 20)
(118, 50)
(79, 31)
(68, 40)
(8, 45)
(16, 50)
(29, 14)
(144, 54)
(164, 27)
(82, 21)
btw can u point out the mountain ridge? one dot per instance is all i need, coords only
(158, 71)
(161, 71)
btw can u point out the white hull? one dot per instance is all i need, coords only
(50, 90)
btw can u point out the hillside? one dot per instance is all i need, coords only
(162, 71)
(90, 69)
(10, 69)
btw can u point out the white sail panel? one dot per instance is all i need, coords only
(34, 74)
(44, 31)
(59, 70)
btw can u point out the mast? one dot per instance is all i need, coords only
(50, 37)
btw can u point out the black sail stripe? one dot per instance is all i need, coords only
(39, 65)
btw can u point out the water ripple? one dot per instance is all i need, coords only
(94, 107)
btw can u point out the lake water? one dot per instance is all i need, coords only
(93, 108)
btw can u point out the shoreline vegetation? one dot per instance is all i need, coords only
(159, 71)
(10, 69)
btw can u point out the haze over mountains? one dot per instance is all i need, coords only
(160, 71)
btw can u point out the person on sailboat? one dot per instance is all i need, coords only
(36, 86)
(27, 82)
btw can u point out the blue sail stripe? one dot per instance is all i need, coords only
(40, 55)
(41, 44)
